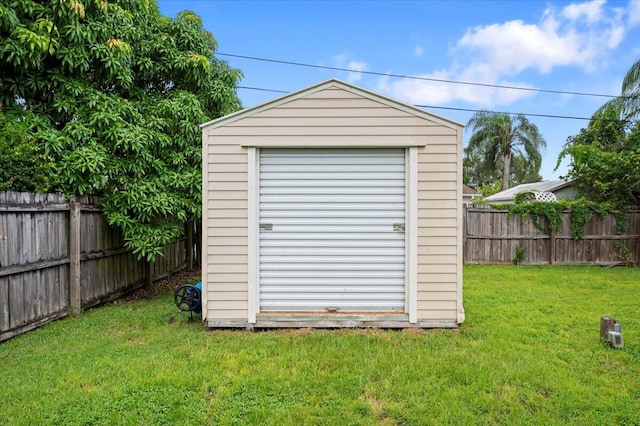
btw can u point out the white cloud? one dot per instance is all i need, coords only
(633, 13)
(343, 61)
(418, 51)
(357, 66)
(515, 46)
(340, 60)
(437, 93)
(590, 11)
(580, 35)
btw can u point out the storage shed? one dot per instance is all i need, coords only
(332, 206)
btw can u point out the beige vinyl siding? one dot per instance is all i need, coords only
(424, 204)
(333, 117)
(323, 141)
(339, 111)
(438, 229)
(437, 315)
(225, 225)
(437, 281)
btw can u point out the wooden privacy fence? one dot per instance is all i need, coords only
(57, 257)
(492, 237)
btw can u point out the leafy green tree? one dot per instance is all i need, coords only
(475, 171)
(112, 94)
(488, 189)
(25, 166)
(605, 159)
(503, 147)
(605, 156)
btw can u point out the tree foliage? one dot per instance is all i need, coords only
(605, 156)
(605, 160)
(110, 95)
(627, 105)
(25, 166)
(581, 211)
(503, 147)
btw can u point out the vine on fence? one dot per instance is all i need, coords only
(581, 211)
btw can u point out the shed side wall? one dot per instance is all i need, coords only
(438, 228)
(225, 223)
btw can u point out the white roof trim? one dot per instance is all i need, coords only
(332, 83)
(544, 186)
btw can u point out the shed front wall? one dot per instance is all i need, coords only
(331, 118)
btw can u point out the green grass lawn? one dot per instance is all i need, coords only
(528, 353)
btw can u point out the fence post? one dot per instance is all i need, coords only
(199, 257)
(188, 229)
(465, 220)
(148, 273)
(552, 248)
(75, 296)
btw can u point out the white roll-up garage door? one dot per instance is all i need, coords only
(332, 230)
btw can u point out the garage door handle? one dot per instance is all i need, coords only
(398, 227)
(266, 227)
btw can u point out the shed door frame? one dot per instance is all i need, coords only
(411, 232)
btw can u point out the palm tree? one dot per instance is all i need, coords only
(627, 105)
(498, 137)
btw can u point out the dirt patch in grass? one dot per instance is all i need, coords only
(413, 330)
(303, 331)
(376, 406)
(166, 285)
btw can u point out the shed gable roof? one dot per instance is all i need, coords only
(331, 85)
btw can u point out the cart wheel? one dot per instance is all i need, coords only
(187, 298)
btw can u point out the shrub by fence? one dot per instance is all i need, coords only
(58, 256)
(491, 236)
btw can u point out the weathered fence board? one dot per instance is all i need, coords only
(44, 248)
(491, 236)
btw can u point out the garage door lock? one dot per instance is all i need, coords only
(398, 227)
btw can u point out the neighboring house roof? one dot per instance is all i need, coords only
(332, 83)
(468, 190)
(469, 194)
(508, 195)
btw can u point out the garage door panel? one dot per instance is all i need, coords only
(361, 283)
(328, 213)
(311, 183)
(288, 252)
(355, 304)
(311, 208)
(327, 234)
(306, 220)
(301, 241)
(335, 229)
(371, 273)
(332, 177)
(331, 169)
(314, 267)
(349, 198)
(330, 190)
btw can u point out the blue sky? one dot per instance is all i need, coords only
(562, 46)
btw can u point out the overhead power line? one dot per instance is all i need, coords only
(566, 117)
(414, 77)
(262, 90)
(529, 114)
